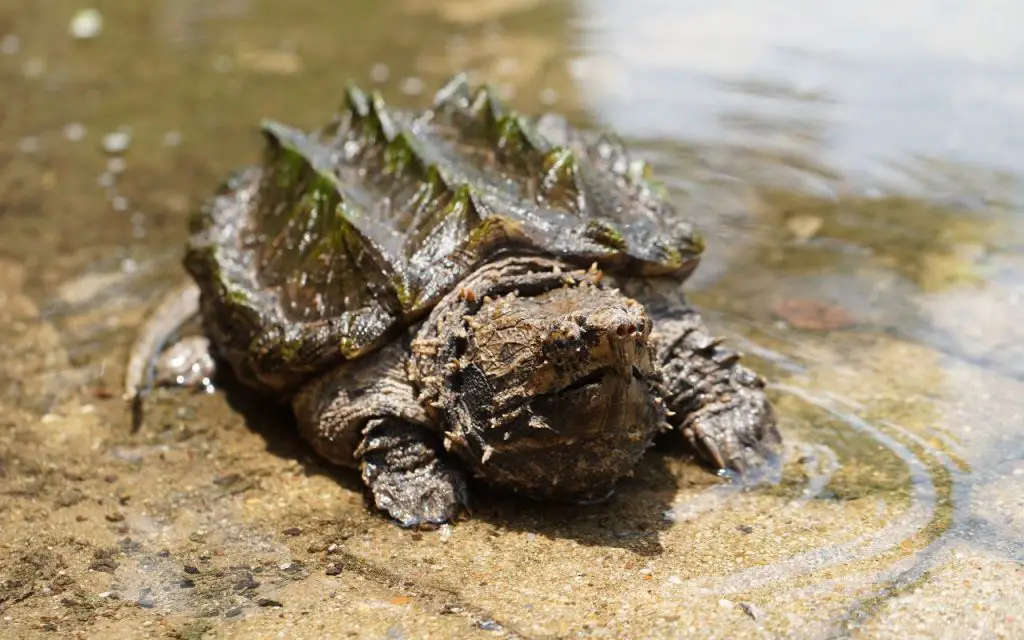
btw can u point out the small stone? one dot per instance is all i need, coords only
(74, 131)
(412, 86)
(120, 203)
(725, 604)
(86, 24)
(172, 138)
(292, 531)
(380, 72)
(116, 165)
(233, 612)
(752, 610)
(804, 227)
(227, 479)
(33, 68)
(813, 315)
(507, 66)
(267, 602)
(146, 600)
(10, 44)
(548, 97)
(116, 142)
(191, 569)
(28, 144)
(114, 517)
(333, 569)
(106, 180)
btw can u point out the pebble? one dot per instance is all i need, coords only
(752, 610)
(33, 68)
(86, 24)
(28, 144)
(106, 180)
(172, 138)
(412, 86)
(10, 44)
(548, 97)
(804, 227)
(380, 72)
(116, 165)
(120, 203)
(74, 131)
(507, 66)
(117, 142)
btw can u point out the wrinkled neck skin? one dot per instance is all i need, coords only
(544, 378)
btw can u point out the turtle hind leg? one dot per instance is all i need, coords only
(409, 475)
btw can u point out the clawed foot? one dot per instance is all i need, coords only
(737, 432)
(408, 476)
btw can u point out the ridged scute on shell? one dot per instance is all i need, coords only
(344, 236)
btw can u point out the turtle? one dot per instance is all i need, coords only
(463, 292)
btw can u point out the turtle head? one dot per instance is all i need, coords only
(555, 394)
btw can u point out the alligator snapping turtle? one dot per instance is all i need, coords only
(461, 288)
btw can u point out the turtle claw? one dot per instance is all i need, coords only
(738, 435)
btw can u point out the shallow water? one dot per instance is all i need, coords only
(856, 169)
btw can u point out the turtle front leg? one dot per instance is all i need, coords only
(718, 405)
(365, 415)
(409, 475)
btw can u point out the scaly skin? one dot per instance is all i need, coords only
(537, 378)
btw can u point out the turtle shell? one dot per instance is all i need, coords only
(345, 236)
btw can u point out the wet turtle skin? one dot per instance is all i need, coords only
(460, 290)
